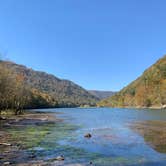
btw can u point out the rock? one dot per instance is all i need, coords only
(90, 163)
(6, 124)
(6, 163)
(88, 135)
(32, 156)
(60, 158)
(2, 118)
(6, 151)
(6, 144)
(163, 106)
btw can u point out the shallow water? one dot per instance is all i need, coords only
(113, 141)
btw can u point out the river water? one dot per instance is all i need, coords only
(113, 141)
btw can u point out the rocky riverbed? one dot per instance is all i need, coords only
(19, 133)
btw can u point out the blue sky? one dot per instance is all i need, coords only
(99, 44)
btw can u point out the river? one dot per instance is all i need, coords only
(113, 142)
(120, 137)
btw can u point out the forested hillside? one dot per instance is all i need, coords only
(21, 87)
(149, 90)
(102, 94)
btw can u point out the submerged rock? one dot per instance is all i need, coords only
(6, 163)
(88, 135)
(6, 125)
(32, 156)
(60, 158)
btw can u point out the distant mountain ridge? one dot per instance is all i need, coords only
(64, 92)
(102, 94)
(149, 90)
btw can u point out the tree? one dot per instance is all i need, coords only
(13, 94)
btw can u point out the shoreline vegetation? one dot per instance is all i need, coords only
(25, 88)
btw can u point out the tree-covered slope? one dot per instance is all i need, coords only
(149, 90)
(102, 94)
(62, 92)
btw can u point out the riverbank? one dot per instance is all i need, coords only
(12, 149)
(139, 107)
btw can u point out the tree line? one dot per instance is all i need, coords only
(16, 96)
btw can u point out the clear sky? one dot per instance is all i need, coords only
(99, 44)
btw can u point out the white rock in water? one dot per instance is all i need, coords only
(6, 163)
(60, 158)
